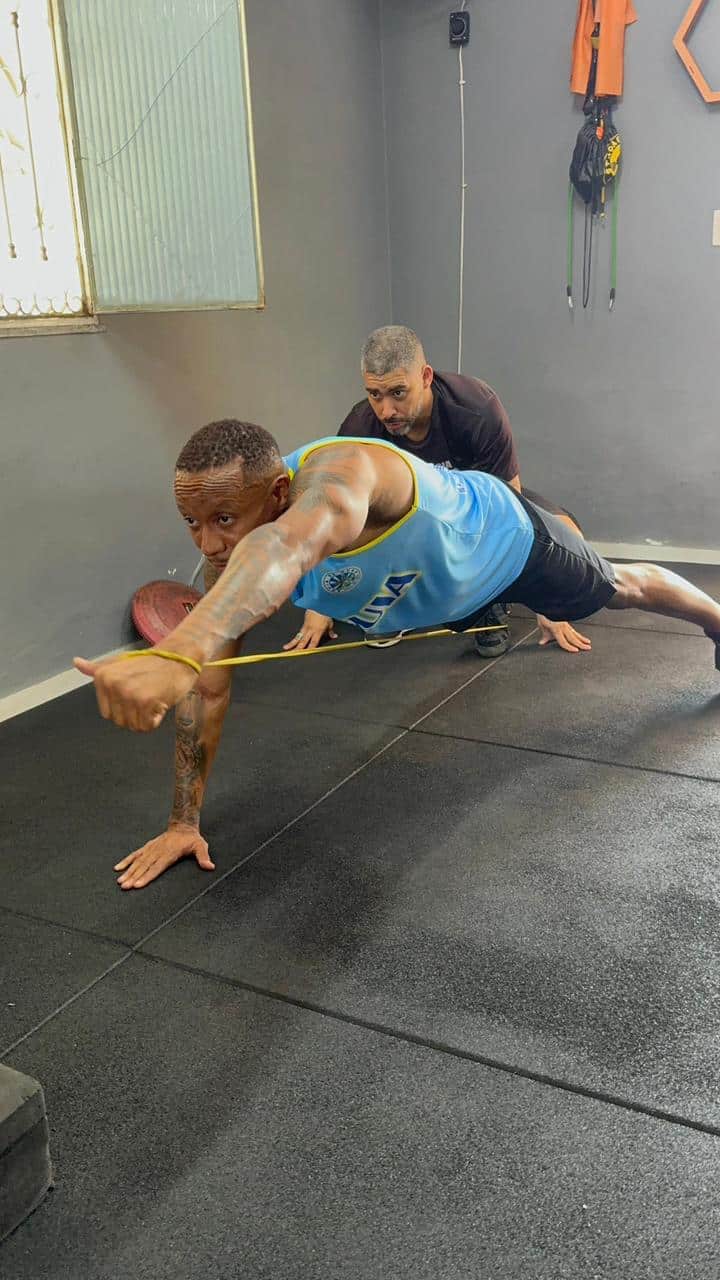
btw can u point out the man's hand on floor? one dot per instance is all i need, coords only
(564, 635)
(149, 862)
(313, 631)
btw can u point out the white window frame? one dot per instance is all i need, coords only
(90, 320)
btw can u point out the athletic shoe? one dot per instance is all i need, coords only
(492, 644)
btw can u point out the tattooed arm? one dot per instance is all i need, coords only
(199, 720)
(330, 501)
(330, 505)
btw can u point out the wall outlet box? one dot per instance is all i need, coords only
(459, 28)
(716, 229)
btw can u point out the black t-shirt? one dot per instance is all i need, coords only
(469, 428)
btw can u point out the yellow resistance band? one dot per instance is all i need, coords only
(163, 653)
(301, 653)
(351, 644)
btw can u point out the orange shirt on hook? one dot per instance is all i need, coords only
(614, 16)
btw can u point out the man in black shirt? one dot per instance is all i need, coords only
(450, 420)
(445, 418)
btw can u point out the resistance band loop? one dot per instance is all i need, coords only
(164, 653)
(300, 653)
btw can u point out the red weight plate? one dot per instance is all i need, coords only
(158, 607)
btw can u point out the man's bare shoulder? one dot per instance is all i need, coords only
(342, 461)
(382, 475)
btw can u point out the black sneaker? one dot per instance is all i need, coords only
(492, 644)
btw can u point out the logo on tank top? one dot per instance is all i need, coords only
(338, 581)
(395, 586)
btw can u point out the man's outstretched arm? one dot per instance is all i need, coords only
(331, 499)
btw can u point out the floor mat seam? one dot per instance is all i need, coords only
(77, 995)
(565, 755)
(438, 1046)
(321, 800)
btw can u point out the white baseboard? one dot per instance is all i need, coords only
(36, 694)
(657, 553)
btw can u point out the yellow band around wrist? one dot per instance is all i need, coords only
(164, 653)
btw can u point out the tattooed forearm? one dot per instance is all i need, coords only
(261, 574)
(191, 763)
(198, 728)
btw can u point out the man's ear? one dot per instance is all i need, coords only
(280, 493)
(427, 376)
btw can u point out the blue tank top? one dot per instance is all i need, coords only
(463, 541)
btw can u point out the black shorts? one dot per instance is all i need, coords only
(563, 578)
(546, 504)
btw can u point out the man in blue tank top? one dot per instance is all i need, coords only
(394, 543)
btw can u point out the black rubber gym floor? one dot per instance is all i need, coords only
(449, 1006)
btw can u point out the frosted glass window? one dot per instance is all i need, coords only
(164, 151)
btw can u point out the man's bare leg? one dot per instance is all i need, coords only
(656, 590)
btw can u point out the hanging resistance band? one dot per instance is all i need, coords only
(613, 241)
(588, 247)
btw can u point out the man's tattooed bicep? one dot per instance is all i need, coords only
(317, 487)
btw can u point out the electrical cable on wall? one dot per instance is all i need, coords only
(463, 189)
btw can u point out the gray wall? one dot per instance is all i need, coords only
(616, 414)
(91, 424)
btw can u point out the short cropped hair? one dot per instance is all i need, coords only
(226, 441)
(392, 347)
